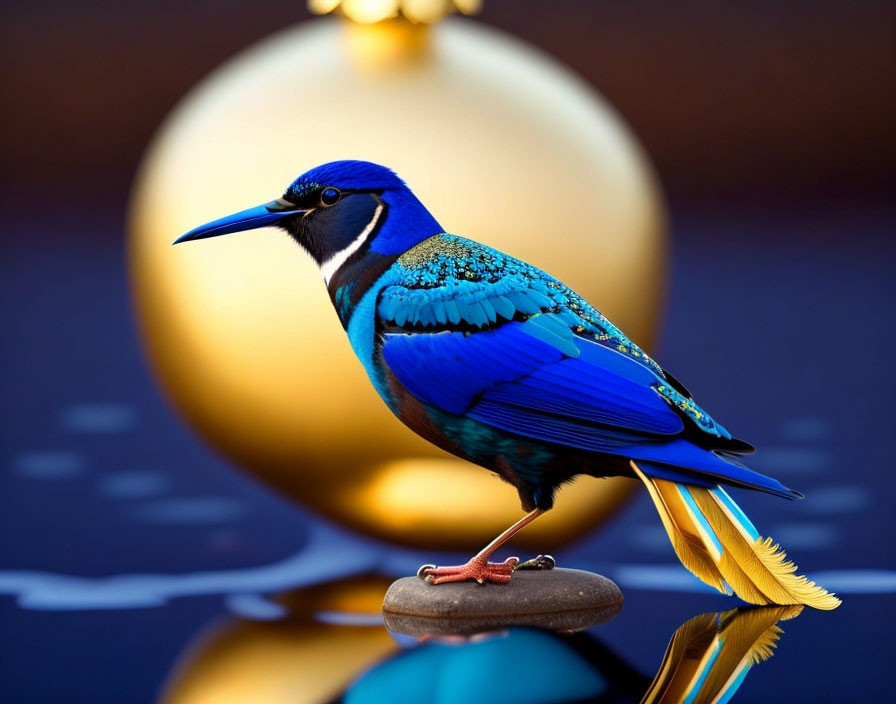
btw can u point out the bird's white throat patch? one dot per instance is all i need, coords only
(331, 265)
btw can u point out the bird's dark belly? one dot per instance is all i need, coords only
(534, 467)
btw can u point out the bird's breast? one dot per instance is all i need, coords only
(360, 325)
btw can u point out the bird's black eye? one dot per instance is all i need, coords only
(329, 196)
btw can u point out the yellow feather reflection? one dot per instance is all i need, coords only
(709, 656)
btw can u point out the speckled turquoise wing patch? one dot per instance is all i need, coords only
(451, 285)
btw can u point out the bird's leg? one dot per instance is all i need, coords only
(479, 568)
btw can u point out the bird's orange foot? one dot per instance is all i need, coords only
(480, 570)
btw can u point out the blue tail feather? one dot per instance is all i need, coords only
(722, 472)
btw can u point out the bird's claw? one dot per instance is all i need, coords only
(421, 573)
(480, 571)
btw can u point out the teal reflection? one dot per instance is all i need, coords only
(506, 667)
(524, 666)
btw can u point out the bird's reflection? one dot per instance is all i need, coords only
(332, 647)
(706, 661)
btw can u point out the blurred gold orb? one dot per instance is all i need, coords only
(503, 144)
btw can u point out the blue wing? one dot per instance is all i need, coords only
(514, 349)
(530, 366)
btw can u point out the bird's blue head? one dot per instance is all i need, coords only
(337, 211)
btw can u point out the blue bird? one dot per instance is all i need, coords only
(503, 365)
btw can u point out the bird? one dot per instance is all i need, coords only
(503, 365)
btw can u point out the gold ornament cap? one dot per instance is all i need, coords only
(418, 11)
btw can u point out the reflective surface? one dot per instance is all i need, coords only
(331, 646)
(127, 546)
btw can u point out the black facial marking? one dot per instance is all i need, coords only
(324, 231)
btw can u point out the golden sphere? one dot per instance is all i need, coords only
(504, 146)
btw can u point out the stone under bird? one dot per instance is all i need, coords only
(503, 365)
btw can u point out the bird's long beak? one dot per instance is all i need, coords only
(259, 216)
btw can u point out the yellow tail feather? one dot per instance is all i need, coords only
(757, 570)
(686, 541)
